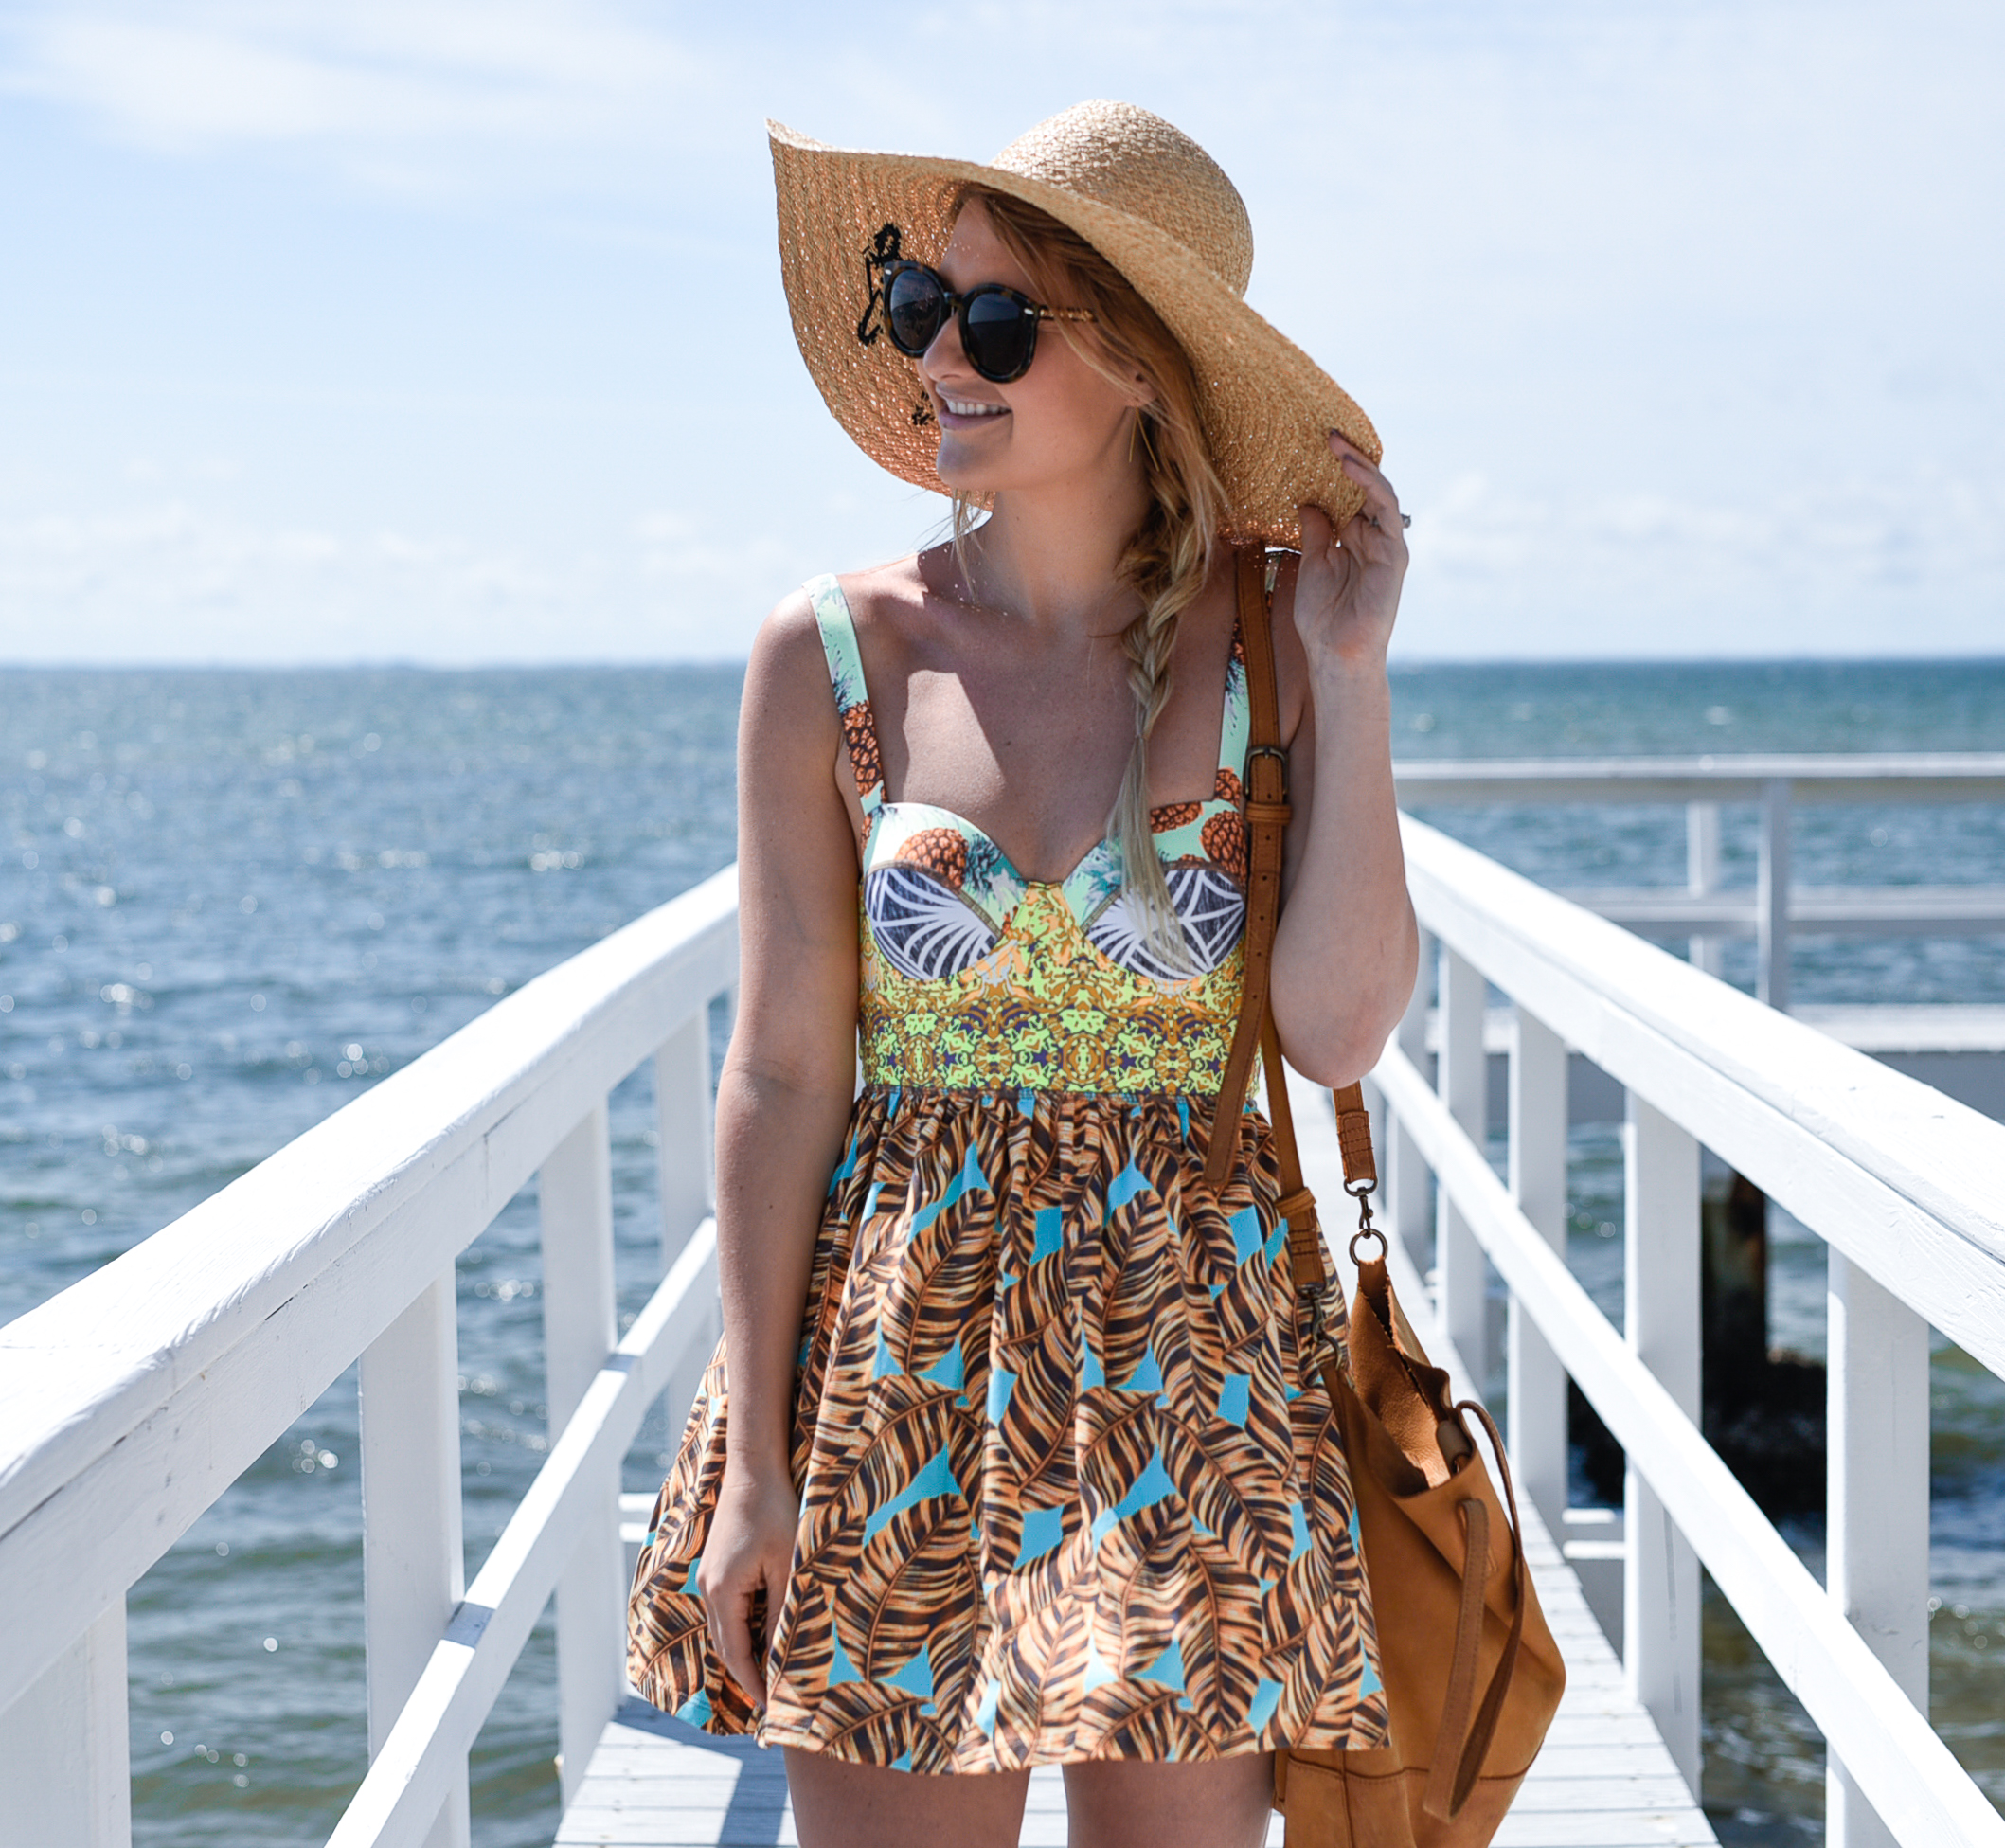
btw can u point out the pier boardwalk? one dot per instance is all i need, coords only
(136, 1397)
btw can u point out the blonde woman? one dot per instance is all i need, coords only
(1020, 1462)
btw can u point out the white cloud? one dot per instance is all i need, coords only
(434, 90)
(1843, 567)
(175, 580)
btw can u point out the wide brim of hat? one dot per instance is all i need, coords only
(1267, 407)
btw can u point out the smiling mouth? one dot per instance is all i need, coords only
(972, 407)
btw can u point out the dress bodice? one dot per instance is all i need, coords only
(974, 977)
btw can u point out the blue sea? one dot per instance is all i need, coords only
(231, 901)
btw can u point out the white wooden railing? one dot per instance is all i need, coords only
(1776, 910)
(133, 1399)
(1907, 1188)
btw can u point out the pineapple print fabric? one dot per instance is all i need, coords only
(1069, 1491)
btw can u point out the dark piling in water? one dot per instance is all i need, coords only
(1761, 1407)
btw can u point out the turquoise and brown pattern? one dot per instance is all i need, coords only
(1067, 1489)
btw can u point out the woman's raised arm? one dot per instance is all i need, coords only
(1344, 953)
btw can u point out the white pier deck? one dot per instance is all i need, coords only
(1605, 1780)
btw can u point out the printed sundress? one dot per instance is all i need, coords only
(1067, 1491)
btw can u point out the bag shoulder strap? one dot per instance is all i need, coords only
(1266, 823)
(1268, 812)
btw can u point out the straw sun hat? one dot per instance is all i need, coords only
(1152, 202)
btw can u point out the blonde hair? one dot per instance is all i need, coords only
(1169, 555)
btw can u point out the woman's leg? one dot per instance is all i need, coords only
(837, 1804)
(1218, 1802)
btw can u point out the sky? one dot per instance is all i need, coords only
(451, 330)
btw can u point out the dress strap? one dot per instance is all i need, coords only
(852, 699)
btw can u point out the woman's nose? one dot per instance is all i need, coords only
(945, 346)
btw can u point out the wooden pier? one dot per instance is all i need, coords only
(137, 1396)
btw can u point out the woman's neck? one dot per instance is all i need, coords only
(1048, 556)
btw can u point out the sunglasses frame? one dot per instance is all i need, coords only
(957, 308)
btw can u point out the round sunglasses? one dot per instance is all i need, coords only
(998, 327)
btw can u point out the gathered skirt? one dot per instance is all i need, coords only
(1067, 1489)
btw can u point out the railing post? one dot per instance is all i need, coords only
(66, 1750)
(1538, 1184)
(1660, 1588)
(1408, 1202)
(1772, 898)
(1464, 1085)
(413, 1555)
(684, 1134)
(575, 1192)
(1702, 874)
(1877, 1532)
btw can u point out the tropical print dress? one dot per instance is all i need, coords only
(1067, 1491)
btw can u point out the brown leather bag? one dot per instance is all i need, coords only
(1454, 1603)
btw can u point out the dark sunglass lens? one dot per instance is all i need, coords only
(999, 332)
(914, 309)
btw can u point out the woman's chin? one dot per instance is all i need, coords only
(963, 473)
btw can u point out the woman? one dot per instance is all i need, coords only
(1039, 1475)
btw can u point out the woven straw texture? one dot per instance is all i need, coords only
(1152, 202)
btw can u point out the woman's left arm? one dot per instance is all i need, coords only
(1346, 953)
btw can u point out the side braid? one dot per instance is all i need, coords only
(1168, 563)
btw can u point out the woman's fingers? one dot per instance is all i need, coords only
(1380, 502)
(735, 1623)
(1318, 530)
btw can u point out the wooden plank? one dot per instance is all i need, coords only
(66, 1748)
(579, 1327)
(1869, 777)
(412, 1555)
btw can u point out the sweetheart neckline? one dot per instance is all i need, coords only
(1036, 884)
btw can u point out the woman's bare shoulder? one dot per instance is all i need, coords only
(885, 594)
(788, 647)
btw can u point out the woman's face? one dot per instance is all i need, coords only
(1061, 422)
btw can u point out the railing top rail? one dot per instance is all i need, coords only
(1907, 1183)
(1813, 776)
(81, 1372)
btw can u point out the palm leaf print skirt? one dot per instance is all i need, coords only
(1067, 1491)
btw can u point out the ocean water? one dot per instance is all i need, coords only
(231, 901)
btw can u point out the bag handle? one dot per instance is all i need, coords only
(1453, 1773)
(1452, 1776)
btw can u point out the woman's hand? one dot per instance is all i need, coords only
(1348, 593)
(745, 1565)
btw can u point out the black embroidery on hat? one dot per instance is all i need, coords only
(884, 249)
(922, 413)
